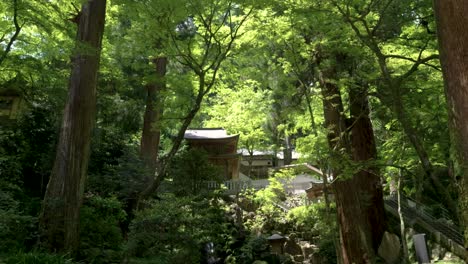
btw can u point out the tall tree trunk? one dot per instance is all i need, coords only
(392, 98)
(250, 162)
(451, 19)
(364, 150)
(151, 134)
(287, 151)
(164, 162)
(358, 197)
(60, 214)
(350, 220)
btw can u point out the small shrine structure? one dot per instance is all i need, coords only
(221, 148)
(10, 104)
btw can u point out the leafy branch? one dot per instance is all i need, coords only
(18, 28)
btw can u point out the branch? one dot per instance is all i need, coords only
(186, 60)
(416, 64)
(379, 22)
(222, 55)
(15, 35)
(394, 166)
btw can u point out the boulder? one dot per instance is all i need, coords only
(389, 248)
(307, 248)
(298, 258)
(292, 248)
(315, 258)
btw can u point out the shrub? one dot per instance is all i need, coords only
(17, 229)
(315, 225)
(269, 215)
(176, 229)
(101, 237)
(36, 258)
(124, 179)
(255, 248)
(190, 169)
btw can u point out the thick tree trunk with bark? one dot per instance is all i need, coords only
(287, 151)
(59, 220)
(452, 31)
(353, 247)
(364, 150)
(151, 134)
(358, 197)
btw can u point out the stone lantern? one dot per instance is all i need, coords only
(277, 243)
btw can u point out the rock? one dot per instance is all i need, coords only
(250, 215)
(437, 252)
(315, 258)
(298, 258)
(292, 248)
(307, 248)
(389, 248)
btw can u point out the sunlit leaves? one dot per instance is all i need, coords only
(241, 110)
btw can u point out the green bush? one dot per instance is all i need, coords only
(314, 225)
(269, 216)
(254, 248)
(327, 250)
(17, 229)
(36, 258)
(101, 237)
(175, 229)
(123, 176)
(190, 169)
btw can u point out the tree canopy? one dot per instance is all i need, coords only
(356, 88)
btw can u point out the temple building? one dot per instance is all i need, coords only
(221, 148)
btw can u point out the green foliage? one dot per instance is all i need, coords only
(255, 248)
(327, 249)
(37, 258)
(266, 91)
(10, 160)
(240, 108)
(27, 148)
(190, 170)
(17, 228)
(100, 233)
(269, 215)
(37, 131)
(122, 174)
(312, 221)
(175, 229)
(314, 224)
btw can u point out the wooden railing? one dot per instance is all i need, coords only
(236, 186)
(441, 230)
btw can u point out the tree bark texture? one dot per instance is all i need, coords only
(364, 150)
(59, 220)
(452, 31)
(358, 197)
(151, 134)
